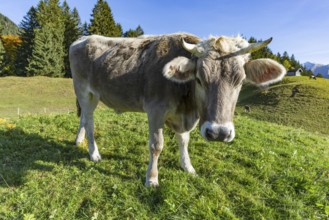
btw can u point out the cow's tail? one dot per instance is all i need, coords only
(78, 108)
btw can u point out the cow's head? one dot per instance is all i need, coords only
(220, 67)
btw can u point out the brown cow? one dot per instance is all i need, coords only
(177, 79)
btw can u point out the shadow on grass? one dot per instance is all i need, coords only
(21, 152)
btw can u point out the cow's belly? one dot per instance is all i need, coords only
(122, 103)
(122, 92)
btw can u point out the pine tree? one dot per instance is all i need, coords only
(48, 53)
(27, 27)
(265, 52)
(38, 63)
(134, 33)
(73, 30)
(102, 21)
(85, 29)
(285, 56)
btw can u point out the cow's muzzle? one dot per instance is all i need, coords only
(218, 132)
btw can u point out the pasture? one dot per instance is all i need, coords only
(35, 95)
(307, 109)
(270, 171)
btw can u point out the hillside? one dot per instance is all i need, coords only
(7, 27)
(268, 172)
(308, 109)
(35, 95)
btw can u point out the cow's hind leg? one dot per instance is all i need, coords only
(155, 146)
(81, 131)
(183, 139)
(88, 103)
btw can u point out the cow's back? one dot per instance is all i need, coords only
(127, 72)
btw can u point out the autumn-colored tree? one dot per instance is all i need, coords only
(10, 44)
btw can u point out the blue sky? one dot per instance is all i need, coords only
(300, 27)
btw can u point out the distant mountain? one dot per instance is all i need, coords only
(318, 68)
(7, 26)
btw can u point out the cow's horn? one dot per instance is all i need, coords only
(192, 48)
(254, 47)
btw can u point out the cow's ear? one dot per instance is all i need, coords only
(180, 69)
(264, 71)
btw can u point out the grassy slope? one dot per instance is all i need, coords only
(309, 109)
(33, 95)
(268, 172)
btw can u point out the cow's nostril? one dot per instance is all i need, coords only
(224, 133)
(211, 135)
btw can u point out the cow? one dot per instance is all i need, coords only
(313, 77)
(179, 80)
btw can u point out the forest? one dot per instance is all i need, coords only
(39, 45)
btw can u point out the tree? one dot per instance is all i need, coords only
(10, 44)
(73, 29)
(286, 64)
(307, 72)
(285, 56)
(24, 51)
(134, 33)
(294, 63)
(265, 52)
(85, 29)
(102, 21)
(44, 61)
(48, 53)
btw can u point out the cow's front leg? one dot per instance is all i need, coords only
(183, 139)
(155, 148)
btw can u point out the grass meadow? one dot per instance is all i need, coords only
(308, 109)
(35, 95)
(270, 171)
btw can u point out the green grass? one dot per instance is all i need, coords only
(308, 109)
(35, 95)
(268, 172)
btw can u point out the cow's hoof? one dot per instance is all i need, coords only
(190, 170)
(95, 157)
(151, 183)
